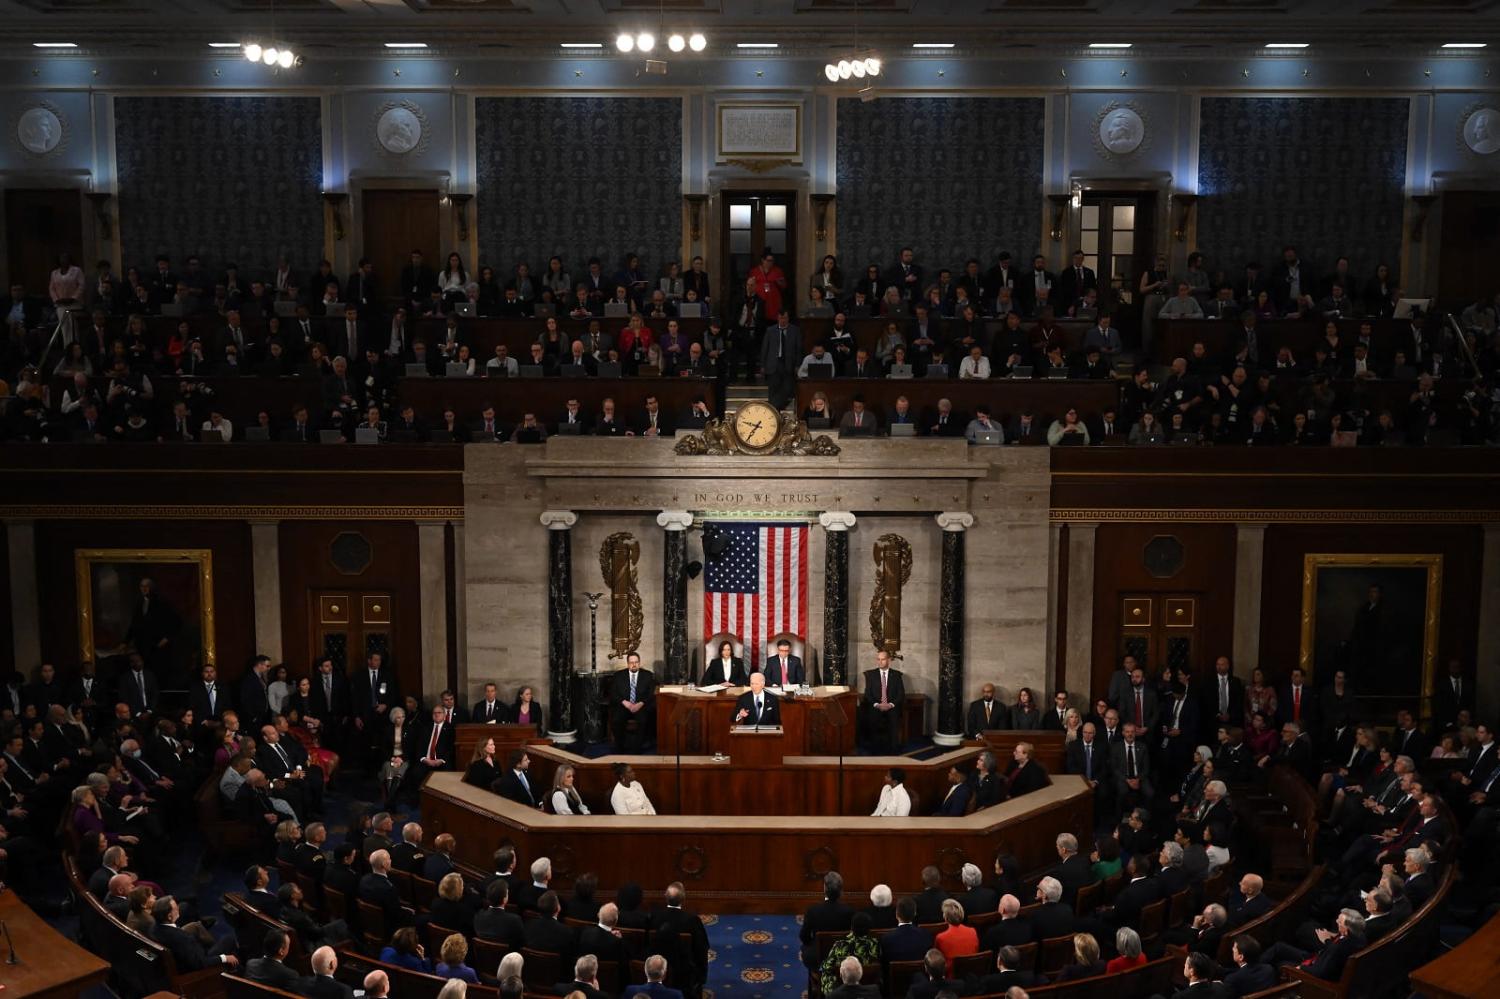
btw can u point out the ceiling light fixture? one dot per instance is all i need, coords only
(697, 41)
(645, 41)
(1464, 45)
(271, 55)
(1109, 45)
(676, 43)
(932, 45)
(406, 45)
(223, 45)
(581, 45)
(1286, 45)
(862, 64)
(625, 43)
(757, 45)
(55, 45)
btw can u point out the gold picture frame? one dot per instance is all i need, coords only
(1314, 564)
(86, 559)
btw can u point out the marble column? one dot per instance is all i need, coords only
(432, 586)
(1078, 643)
(559, 524)
(25, 611)
(836, 527)
(950, 708)
(674, 594)
(466, 693)
(1249, 572)
(265, 571)
(1487, 652)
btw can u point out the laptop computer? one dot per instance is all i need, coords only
(1404, 308)
(453, 369)
(258, 435)
(937, 371)
(528, 436)
(334, 308)
(865, 431)
(366, 435)
(543, 310)
(330, 437)
(903, 430)
(899, 309)
(616, 310)
(608, 369)
(172, 310)
(649, 371)
(416, 371)
(440, 437)
(286, 308)
(987, 437)
(1021, 371)
(211, 436)
(900, 371)
(402, 437)
(465, 309)
(531, 371)
(84, 437)
(1057, 373)
(573, 371)
(690, 310)
(570, 429)
(820, 370)
(818, 423)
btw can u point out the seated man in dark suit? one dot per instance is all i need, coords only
(549, 933)
(437, 751)
(784, 670)
(934, 979)
(851, 975)
(1140, 890)
(1053, 918)
(271, 969)
(830, 915)
(955, 803)
(602, 940)
(188, 951)
(908, 941)
(978, 897)
(985, 713)
(1328, 961)
(655, 987)
(1012, 929)
(515, 784)
(756, 706)
(321, 984)
(493, 922)
(931, 898)
(1007, 974)
(1073, 870)
(1247, 901)
(632, 698)
(1248, 974)
(377, 889)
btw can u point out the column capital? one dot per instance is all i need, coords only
(955, 520)
(837, 520)
(558, 520)
(674, 520)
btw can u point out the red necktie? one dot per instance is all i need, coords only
(432, 746)
(1139, 716)
(1296, 704)
(785, 679)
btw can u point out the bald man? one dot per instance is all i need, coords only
(377, 889)
(322, 984)
(985, 713)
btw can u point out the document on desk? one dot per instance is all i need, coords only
(712, 688)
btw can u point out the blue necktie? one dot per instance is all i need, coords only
(1088, 760)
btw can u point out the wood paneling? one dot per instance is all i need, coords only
(234, 600)
(40, 224)
(711, 854)
(7, 633)
(397, 222)
(1207, 574)
(1462, 548)
(307, 569)
(1470, 242)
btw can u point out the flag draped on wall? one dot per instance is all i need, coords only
(757, 587)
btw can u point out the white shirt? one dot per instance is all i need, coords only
(970, 368)
(893, 801)
(630, 800)
(815, 359)
(225, 428)
(562, 806)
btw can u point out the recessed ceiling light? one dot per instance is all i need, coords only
(406, 45)
(55, 45)
(581, 45)
(932, 45)
(223, 45)
(697, 42)
(1463, 45)
(1109, 45)
(756, 45)
(1286, 45)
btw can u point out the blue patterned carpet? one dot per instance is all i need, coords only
(753, 956)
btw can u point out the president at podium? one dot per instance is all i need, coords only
(757, 706)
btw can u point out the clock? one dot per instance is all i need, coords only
(757, 427)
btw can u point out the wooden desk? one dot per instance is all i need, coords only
(807, 729)
(1006, 398)
(1175, 337)
(507, 737)
(759, 863)
(50, 965)
(548, 397)
(1468, 971)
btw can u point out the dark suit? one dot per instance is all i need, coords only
(140, 695)
(905, 943)
(773, 672)
(254, 711)
(1149, 708)
(269, 971)
(1308, 712)
(770, 713)
(713, 672)
(1094, 765)
(691, 959)
(1074, 873)
(1052, 919)
(499, 925)
(1132, 899)
(955, 802)
(186, 951)
(1446, 704)
(930, 905)
(511, 787)
(1031, 777)
(1071, 287)
(330, 711)
(979, 719)
(607, 947)
(380, 891)
(485, 712)
(1208, 707)
(999, 982)
(1015, 932)
(1249, 978)
(408, 857)
(884, 726)
(1119, 768)
(822, 917)
(979, 901)
(1202, 990)
(198, 700)
(645, 694)
(326, 987)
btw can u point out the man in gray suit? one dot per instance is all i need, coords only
(780, 354)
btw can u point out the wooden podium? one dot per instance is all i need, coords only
(750, 746)
(705, 721)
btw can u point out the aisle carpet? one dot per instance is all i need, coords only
(753, 956)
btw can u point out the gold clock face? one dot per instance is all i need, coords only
(757, 425)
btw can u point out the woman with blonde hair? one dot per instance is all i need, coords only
(451, 910)
(455, 948)
(1086, 963)
(565, 797)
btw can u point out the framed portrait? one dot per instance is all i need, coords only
(1375, 617)
(760, 131)
(155, 601)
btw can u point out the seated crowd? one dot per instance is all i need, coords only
(122, 369)
(1174, 762)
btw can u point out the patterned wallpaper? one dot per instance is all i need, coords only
(951, 177)
(230, 178)
(1323, 173)
(579, 177)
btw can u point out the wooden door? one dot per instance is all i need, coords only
(1118, 238)
(397, 222)
(1470, 245)
(752, 222)
(1159, 629)
(348, 625)
(40, 224)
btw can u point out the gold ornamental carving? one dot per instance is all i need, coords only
(769, 433)
(617, 561)
(892, 572)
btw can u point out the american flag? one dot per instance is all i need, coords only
(757, 588)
